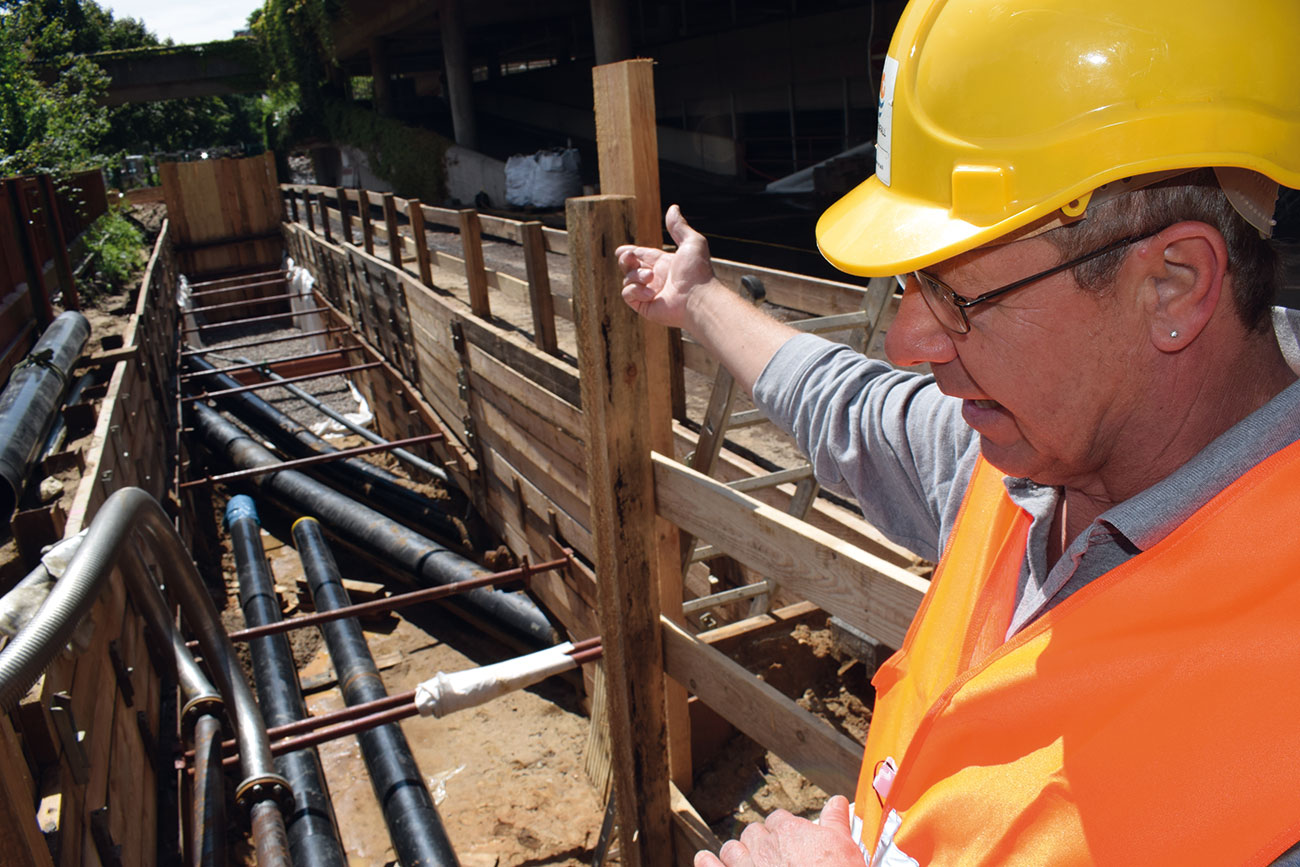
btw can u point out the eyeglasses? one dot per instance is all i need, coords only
(950, 308)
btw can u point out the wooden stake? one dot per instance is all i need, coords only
(629, 165)
(324, 218)
(345, 215)
(614, 381)
(367, 229)
(306, 206)
(394, 237)
(471, 238)
(415, 214)
(539, 286)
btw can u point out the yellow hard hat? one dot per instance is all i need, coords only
(995, 113)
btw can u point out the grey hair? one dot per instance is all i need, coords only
(1254, 263)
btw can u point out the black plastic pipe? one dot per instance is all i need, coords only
(428, 563)
(310, 823)
(31, 400)
(413, 822)
(378, 486)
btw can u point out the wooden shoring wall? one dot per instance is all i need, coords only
(225, 215)
(40, 222)
(79, 756)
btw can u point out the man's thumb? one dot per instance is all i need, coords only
(835, 814)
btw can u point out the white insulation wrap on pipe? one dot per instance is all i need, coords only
(446, 693)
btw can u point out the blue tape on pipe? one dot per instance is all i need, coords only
(241, 506)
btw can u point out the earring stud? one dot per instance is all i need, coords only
(1173, 333)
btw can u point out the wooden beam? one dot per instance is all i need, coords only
(810, 745)
(614, 384)
(628, 150)
(367, 228)
(415, 214)
(471, 239)
(394, 236)
(19, 834)
(539, 286)
(345, 213)
(324, 218)
(868, 593)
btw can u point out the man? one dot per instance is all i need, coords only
(1104, 458)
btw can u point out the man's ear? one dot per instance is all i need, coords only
(1185, 267)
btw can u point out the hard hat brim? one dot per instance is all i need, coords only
(874, 231)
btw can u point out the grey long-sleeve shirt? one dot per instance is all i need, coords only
(898, 445)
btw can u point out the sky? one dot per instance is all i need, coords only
(186, 21)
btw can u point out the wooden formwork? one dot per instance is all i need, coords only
(225, 214)
(79, 755)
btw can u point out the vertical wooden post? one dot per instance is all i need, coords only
(629, 165)
(19, 833)
(59, 242)
(471, 240)
(415, 214)
(539, 286)
(307, 209)
(367, 229)
(36, 287)
(293, 205)
(345, 214)
(615, 384)
(394, 237)
(324, 218)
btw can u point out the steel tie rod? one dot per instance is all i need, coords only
(249, 319)
(258, 386)
(259, 365)
(225, 305)
(311, 461)
(205, 350)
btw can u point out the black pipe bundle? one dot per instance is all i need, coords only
(311, 826)
(428, 562)
(32, 399)
(413, 823)
(362, 478)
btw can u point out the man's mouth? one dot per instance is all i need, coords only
(986, 404)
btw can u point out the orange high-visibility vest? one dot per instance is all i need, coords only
(1151, 718)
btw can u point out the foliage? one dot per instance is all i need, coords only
(59, 126)
(409, 158)
(116, 249)
(297, 43)
(54, 127)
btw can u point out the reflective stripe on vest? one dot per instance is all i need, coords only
(1150, 718)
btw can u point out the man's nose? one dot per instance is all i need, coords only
(916, 336)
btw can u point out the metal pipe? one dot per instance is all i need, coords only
(311, 826)
(125, 513)
(425, 560)
(413, 824)
(314, 460)
(208, 816)
(258, 386)
(31, 400)
(401, 454)
(377, 486)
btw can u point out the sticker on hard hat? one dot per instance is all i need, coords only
(885, 118)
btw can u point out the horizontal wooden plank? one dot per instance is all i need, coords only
(786, 289)
(867, 592)
(834, 519)
(547, 408)
(811, 746)
(504, 476)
